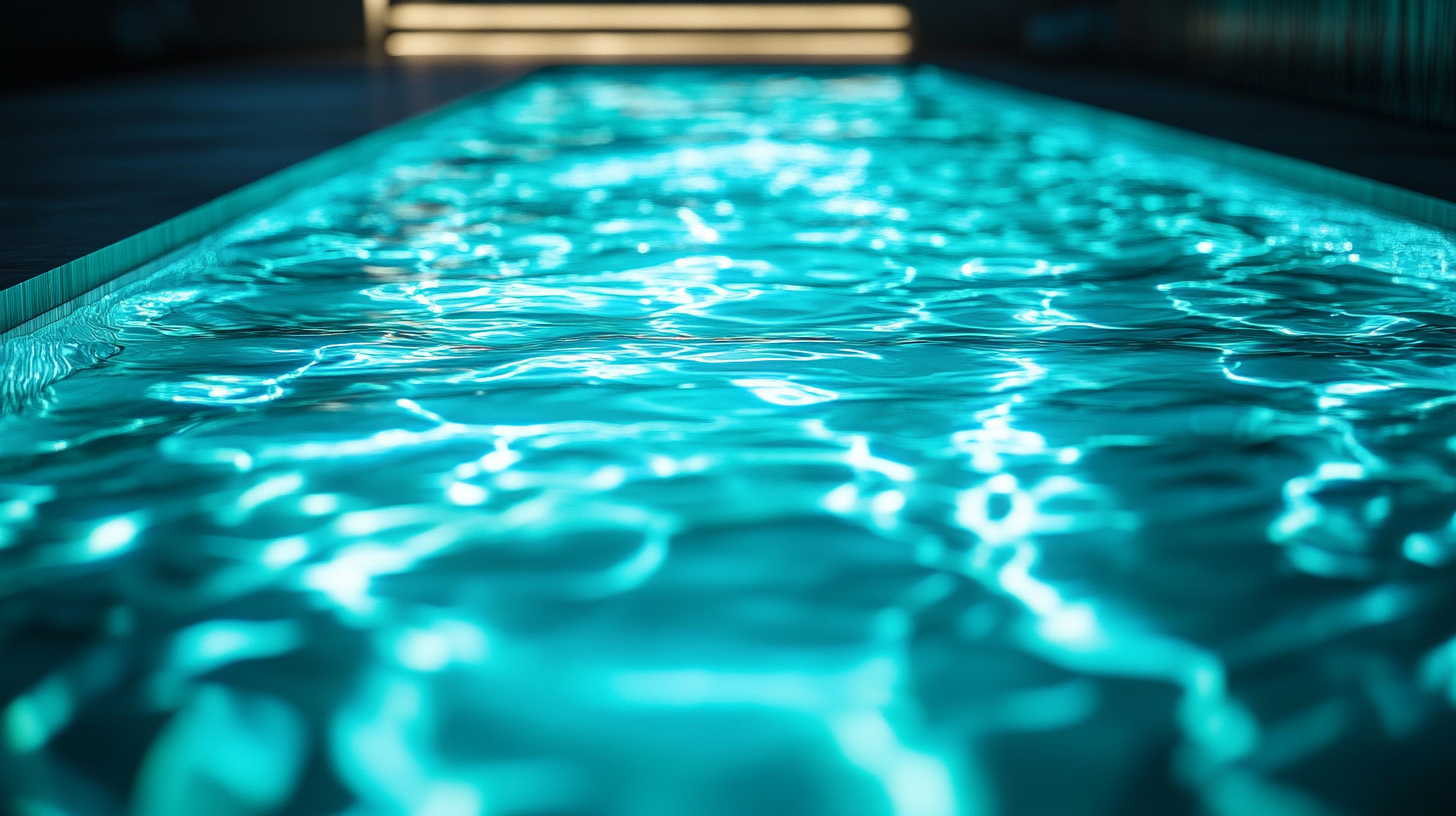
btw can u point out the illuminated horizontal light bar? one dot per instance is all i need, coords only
(644, 17)
(624, 46)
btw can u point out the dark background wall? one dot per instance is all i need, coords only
(950, 25)
(50, 40)
(1393, 57)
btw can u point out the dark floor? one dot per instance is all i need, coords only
(88, 164)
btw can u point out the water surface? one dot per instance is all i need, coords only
(745, 443)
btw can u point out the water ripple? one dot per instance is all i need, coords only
(745, 442)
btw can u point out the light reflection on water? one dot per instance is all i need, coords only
(691, 442)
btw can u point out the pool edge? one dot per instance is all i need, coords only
(53, 294)
(1313, 177)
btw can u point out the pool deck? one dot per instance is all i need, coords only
(88, 164)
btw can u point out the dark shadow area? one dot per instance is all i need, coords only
(50, 41)
(92, 163)
(1412, 156)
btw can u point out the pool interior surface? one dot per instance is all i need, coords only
(745, 442)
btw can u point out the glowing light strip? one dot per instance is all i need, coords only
(644, 17)
(621, 46)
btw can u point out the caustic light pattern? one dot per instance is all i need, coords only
(745, 443)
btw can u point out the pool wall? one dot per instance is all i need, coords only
(53, 294)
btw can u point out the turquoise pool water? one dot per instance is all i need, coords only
(745, 443)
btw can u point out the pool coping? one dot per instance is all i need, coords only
(51, 295)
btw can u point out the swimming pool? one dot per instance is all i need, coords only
(700, 442)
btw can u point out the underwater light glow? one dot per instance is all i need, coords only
(799, 442)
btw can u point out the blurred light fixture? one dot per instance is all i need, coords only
(648, 17)
(627, 32)
(614, 46)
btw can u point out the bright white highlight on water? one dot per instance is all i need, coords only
(466, 494)
(781, 392)
(285, 552)
(111, 537)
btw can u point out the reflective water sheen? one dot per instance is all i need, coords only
(745, 443)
